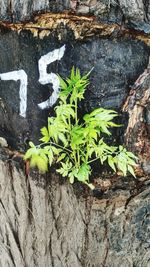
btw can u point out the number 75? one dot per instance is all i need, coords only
(44, 78)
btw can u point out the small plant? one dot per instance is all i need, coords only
(75, 142)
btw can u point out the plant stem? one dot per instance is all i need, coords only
(75, 158)
(87, 152)
(76, 111)
(92, 160)
(78, 156)
(52, 143)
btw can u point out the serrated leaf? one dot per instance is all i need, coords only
(72, 74)
(61, 170)
(45, 133)
(121, 148)
(105, 130)
(83, 173)
(28, 154)
(63, 139)
(86, 117)
(65, 173)
(63, 84)
(31, 144)
(112, 124)
(62, 156)
(111, 163)
(50, 156)
(103, 158)
(131, 170)
(55, 150)
(39, 162)
(131, 155)
(122, 167)
(81, 140)
(71, 178)
(33, 161)
(131, 162)
(43, 156)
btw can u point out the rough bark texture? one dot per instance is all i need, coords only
(137, 135)
(44, 221)
(136, 11)
(118, 57)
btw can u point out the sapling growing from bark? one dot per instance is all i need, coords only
(76, 142)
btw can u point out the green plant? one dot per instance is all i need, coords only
(75, 142)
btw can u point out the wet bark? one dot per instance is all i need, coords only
(45, 221)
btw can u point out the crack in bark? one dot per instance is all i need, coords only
(30, 213)
(14, 235)
(10, 168)
(50, 250)
(59, 250)
(106, 235)
(138, 191)
(82, 27)
(88, 205)
(10, 254)
(146, 5)
(136, 135)
(10, 11)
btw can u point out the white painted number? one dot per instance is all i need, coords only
(44, 78)
(22, 76)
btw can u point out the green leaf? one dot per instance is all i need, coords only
(62, 137)
(131, 162)
(43, 155)
(122, 167)
(103, 158)
(104, 129)
(50, 156)
(131, 170)
(131, 155)
(91, 186)
(86, 117)
(83, 173)
(62, 156)
(76, 142)
(111, 163)
(33, 161)
(64, 170)
(63, 84)
(55, 150)
(31, 144)
(72, 74)
(28, 154)
(39, 162)
(61, 170)
(45, 134)
(121, 148)
(71, 177)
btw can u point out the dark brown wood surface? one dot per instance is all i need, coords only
(45, 221)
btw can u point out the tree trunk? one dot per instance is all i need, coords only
(47, 223)
(44, 220)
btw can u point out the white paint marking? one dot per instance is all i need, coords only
(22, 76)
(45, 78)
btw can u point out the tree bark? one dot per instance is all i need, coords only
(45, 221)
(48, 223)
